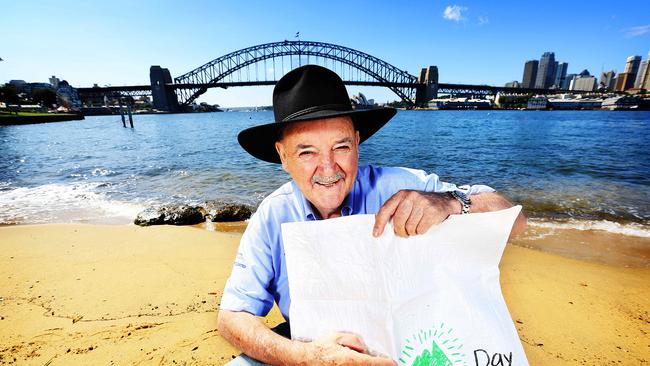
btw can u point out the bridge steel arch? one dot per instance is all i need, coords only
(209, 75)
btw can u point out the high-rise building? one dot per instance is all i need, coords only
(624, 81)
(631, 69)
(642, 74)
(632, 64)
(608, 80)
(646, 78)
(530, 74)
(560, 74)
(546, 71)
(567, 81)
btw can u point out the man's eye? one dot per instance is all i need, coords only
(305, 153)
(342, 148)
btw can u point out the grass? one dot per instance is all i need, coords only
(26, 114)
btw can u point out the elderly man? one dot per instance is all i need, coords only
(316, 137)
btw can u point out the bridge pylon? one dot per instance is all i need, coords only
(164, 97)
(427, 88)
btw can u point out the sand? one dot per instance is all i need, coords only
(93, 294)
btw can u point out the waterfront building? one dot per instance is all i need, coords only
(626, 102)
(546, 71)
(68, 94)
(537, 102)
(560, 74)
(54, 81)
(459, 103)
(583, 83)
(530, 74)
(608, 80)
(567, 81)
(642, 74)
(30, 87)
(632, 64)
(361, 102)
(570, 102)
(18, 84)
(624, 81)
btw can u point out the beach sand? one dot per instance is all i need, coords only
(101, 294)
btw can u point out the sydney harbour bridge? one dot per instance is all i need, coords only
(264, 64)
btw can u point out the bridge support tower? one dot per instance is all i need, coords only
(427, 88)
(164, 97)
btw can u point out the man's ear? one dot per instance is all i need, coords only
(281, 152)
(358, 138)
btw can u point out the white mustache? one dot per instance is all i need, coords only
(327, 180)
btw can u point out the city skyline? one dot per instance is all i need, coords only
(470, 42)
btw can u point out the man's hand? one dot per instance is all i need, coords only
(248, 333)
(343, 349)
(414, 212)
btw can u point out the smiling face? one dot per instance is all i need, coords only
(322, 157)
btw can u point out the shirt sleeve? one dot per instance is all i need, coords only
(405, 178)
(252, 272)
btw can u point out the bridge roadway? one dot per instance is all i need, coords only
(443, 88)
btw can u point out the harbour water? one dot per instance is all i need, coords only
(581, 169)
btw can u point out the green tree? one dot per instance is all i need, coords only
(45, 97)
(9, 94)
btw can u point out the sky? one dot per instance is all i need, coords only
(471, 42)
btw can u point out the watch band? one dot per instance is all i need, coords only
(465, 202)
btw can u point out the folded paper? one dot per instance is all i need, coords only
(431, 299)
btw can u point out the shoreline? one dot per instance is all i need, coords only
(27, 120)
(96, 294)
(625, 245)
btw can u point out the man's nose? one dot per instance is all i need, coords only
(327, 162)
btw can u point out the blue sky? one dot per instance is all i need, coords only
(473, 42)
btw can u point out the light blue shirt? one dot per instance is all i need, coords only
(259, 274)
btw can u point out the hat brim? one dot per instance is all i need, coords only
(259, 141)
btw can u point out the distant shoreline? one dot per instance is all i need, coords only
(7, 119)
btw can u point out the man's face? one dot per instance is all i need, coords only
(322, 158)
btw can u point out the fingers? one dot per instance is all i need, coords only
(413, 212)
(373, 361)
(402, 214)
(414, 220)
(352, 342)
(385, 213)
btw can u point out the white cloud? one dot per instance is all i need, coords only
(454, 12)
(483, 20)
(637, 31)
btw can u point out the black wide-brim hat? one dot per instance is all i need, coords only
(308, 93)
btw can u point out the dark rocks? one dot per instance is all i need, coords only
(180, 214)
(227, 211)
(150, 216)
(176, 214)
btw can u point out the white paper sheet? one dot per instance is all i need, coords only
(432, 299)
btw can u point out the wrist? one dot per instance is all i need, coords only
(455, 207)
(298, 354)
(462, 200)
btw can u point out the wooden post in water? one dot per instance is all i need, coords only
(119, 99)
(128, 108)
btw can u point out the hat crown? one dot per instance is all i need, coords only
(308, 89)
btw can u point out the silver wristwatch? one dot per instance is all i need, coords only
(465, 202)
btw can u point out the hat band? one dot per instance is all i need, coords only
(302, 112)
